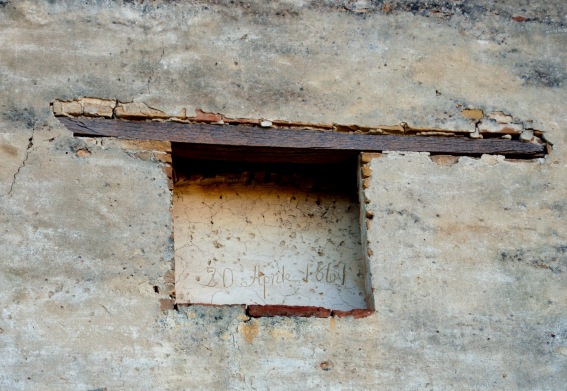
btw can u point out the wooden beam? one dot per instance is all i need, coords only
(301, 140)
(262, 154)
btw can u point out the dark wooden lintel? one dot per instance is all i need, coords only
(206, 139)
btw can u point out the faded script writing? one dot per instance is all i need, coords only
(226, 277)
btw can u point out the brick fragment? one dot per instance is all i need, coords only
(168, 289)
(241, 121)
(445, 160)
(169, 277)
(83, 152)
(257, 311)
(366, 157)
(201, 116)
(163, 157)
(492, 126)
(474, 114)
(166, 305)
(356, 313)
(140, 111)
(63, 108)
(168, 170)
(501, 117)
(94, 107)
(520, 18)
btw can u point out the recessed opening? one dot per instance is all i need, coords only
(277, 153)
(281, 238)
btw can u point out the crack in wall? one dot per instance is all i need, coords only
(24, 161)
(153, 69)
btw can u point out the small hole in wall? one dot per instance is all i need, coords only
(280, 238)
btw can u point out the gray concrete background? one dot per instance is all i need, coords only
(84, 240)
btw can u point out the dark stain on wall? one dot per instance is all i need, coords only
(553, 259)
(543, 74)
(550, 13)
(26, 115)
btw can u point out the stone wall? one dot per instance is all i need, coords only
(468, 256)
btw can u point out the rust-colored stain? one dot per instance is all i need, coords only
(249, 330)
(9, 149)
(282, 333)
(332, 323)
(520, 18)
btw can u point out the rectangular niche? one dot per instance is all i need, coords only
(280, 238)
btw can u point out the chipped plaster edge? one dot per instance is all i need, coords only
(497, 124)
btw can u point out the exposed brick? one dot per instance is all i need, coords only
(163, 157)
(355, 313)
(445, 160)
(492, 126)
(83, 152)
(94, 107)
(201, 116)
(241, 121)
(168, 289)
(166, 304)
(168, 170)
(474, 114)
(366, 157)
(256, 311)
(63, 108)
(169, 277)
(139, 110)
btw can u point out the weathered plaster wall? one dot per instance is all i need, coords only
(469, 274)
(469, 261)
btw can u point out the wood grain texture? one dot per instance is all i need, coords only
(247, 137)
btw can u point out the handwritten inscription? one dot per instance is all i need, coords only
(329, 272)
(241, 244)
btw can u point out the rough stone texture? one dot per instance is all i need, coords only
(85, 244)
